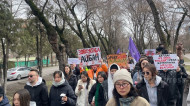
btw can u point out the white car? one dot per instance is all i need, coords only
(17, 73)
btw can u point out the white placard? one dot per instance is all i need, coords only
(73, 61)
(89, 56)
(165, 61)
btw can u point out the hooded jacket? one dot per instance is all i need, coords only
(38, 92)
(56, 91)
(5, 101)
(82, 95)
(162, 89)
(110, 81)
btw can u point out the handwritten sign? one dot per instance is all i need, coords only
(165, 61)
(73, 61)
(119, 59)
(89, 56)
(150, 52)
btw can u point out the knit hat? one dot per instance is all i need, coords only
(1, 91)
(122, 74)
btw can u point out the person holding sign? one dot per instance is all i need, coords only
(95, 69)
(152, 88)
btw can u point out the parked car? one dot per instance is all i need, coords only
(17, 73)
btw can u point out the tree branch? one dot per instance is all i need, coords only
(44, 6)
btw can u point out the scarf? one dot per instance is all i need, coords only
(56, 84)
(97, 93)
(126, 101)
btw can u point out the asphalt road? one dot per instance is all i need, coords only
(45, 71)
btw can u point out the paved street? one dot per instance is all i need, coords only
(45, 71)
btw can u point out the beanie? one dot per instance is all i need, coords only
(114, 66)
(122, 74)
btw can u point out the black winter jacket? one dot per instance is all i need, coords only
(55, 92)
(163, 94)
(182, 75)
(38, 93)
(170, 77)
(101, 99)
(73, 81)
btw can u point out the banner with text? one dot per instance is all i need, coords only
(119, 59)
(150, 52)
(89, 56)
(73, 61)
(165, 61)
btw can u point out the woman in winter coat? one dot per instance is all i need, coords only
(61, 93)
(83, 88)
(152, 88)
(124, 94)
(97, 95)
(22, 98)
(70, 77)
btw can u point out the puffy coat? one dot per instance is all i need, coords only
(5, 102)
(82, 96)
(38, 92)
(102, 98)
(163, 94)
(55, 92)
(73, 81)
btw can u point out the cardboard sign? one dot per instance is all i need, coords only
(165, 61)
(73, 61)
(89, 56)
(119, 59)
(150, 52)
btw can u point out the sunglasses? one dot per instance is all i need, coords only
(147, 73)
(121, 85)
(30, 76)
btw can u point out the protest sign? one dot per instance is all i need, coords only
(89, 56)
(165, 61)
(73, 61)
(119, 59)
(150, 52)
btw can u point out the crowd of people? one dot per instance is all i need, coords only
(100, 85)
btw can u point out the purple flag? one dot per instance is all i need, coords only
(133, 50)
(118, 51)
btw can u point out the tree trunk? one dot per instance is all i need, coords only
(51, 59)
(47, 60)
(51, 32)
(178, 28)
(5, 63)
(25, 60)
(157, 23)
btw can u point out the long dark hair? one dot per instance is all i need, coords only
(70, 72)
(88, 79)
(24, 97)
(152, 69)
(103, 74)
(141, 62)
(132, 92)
